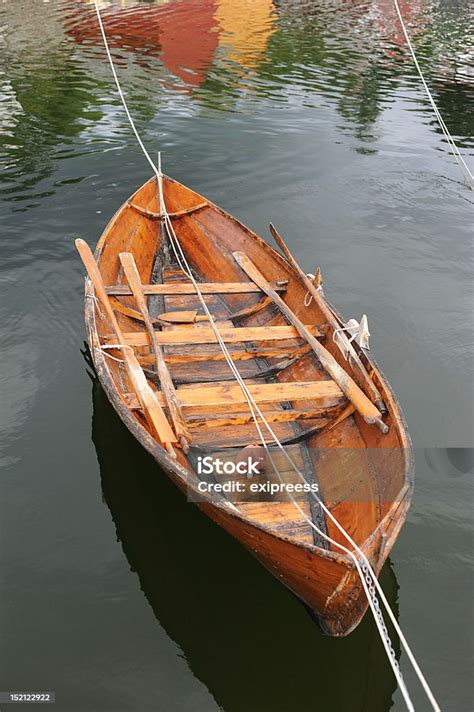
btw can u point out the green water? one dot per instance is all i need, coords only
(114, 592)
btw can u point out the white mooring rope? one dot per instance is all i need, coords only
(468, 176)
(365, 571)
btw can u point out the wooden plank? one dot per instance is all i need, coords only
(175, 288)
(290, 415)
(205, 335)
(275, 513)
(283, 518)
(248, 355)
(227, 437)
(294, 439)
(231, 394)
(271, 416)
(167, 386)
(206, 420)
(364, 406)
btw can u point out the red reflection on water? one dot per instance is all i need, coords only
(189, 37)
(183, 32)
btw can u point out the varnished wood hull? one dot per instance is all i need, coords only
(373, 511)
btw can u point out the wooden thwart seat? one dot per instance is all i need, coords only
(204, 396)
(205, 335)
(199, 404)
(230, 394)
(187, 356)
(172, 289)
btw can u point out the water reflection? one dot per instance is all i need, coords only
(243, 635)
(179, 57)
(189, 35)
(184, 33)
(127, 25)
(246, 27)
(47, 98)
(357, 47)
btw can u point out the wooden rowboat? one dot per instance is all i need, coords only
(157, 357)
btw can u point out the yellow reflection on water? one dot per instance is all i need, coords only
(246, 26)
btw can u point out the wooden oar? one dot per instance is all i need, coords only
(148, 400)
(360, 373)
(133, 278)
(364, 406)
